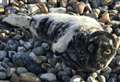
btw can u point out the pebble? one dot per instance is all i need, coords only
(58, 10)
(27, 45)
(19, 58)
(48, 77)
(3, 75)
(29, 77)
(3, 54)
(112, 79)
(34, 57)
(45, 46)
(76, 78)
(38, 51)
(94, 75)
(20, 70)
(12, 45)
(21, 48)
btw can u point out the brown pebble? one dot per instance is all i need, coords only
(80, 6)
(105, 18)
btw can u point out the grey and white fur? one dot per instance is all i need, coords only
(81, 23)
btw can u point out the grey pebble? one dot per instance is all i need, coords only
(27, 45)
(21, 48)
(48, 76)
(45, 46)
(3, 75)
(3, 54)
(112, 79)
(38, 51)
(20, 70)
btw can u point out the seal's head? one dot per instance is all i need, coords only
(102, 49)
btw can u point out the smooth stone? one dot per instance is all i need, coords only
(35, 68)
(45, 46)
(38, 51)
(45, 66)
(112, 79)
(3, 75)
(48, 76)
(52, 61)
(21, 48)
(58, 66)
(21, 59)
(42, 58)
(12, 45)
(29, 77)
(20, 70)
(76, 78)
(21, 42)
(58, 10)
(27, 45)
(38, 59)
(94, 75)
(3, 54)
(34, 57)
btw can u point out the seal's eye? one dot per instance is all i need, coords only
(108, 51)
